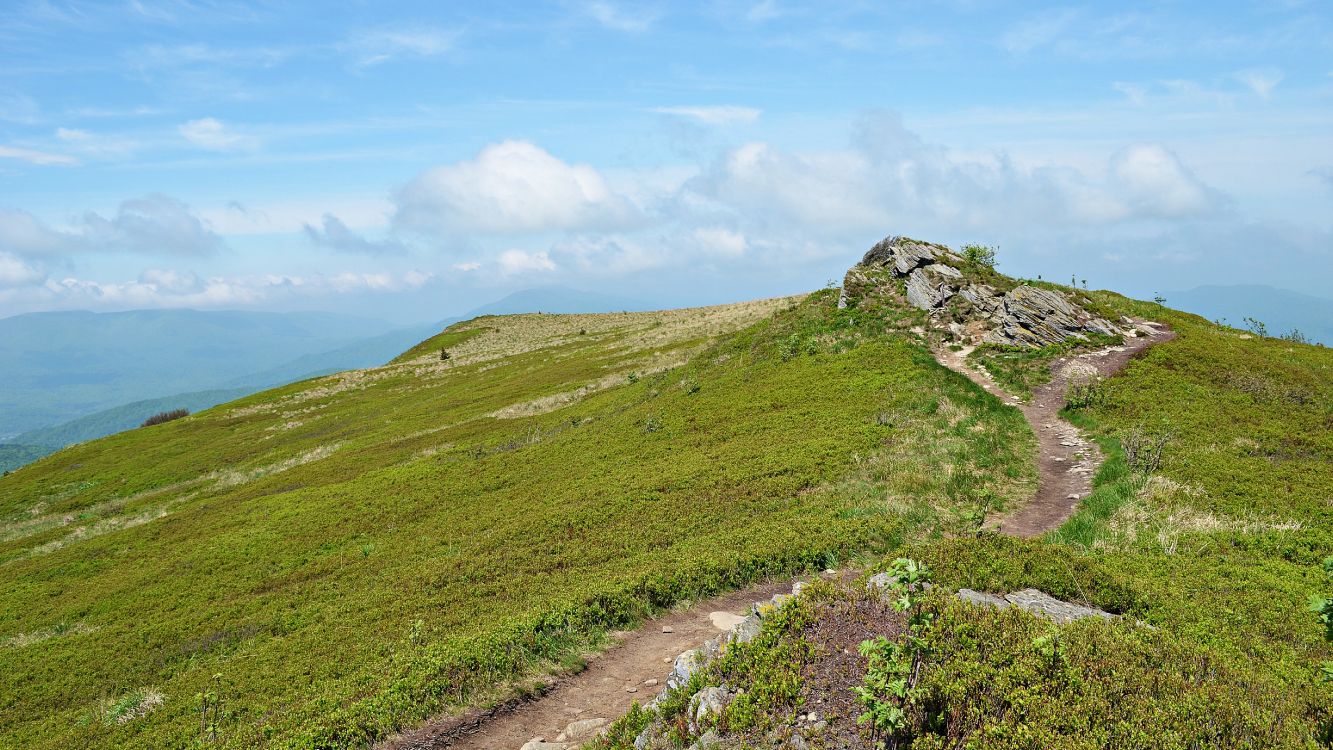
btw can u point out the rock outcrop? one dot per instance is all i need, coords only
(934, 278)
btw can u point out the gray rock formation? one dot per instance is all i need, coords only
(931, 276)
(1036, 602)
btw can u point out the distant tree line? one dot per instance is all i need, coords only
(165, 416)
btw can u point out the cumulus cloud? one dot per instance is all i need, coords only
(336, 236)
(151, 225)
(713, 115)
(1154, 183)
(513, 262)
(23, 234)
(154, 224)
(889, 177)
(40, 158)
(209, 133)
(16, 272)
(512, 187)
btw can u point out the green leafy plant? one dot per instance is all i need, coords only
(209, 703)
(1085, 395)
(980, 255)
(890, 690)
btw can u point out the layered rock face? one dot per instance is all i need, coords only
(1022, 316)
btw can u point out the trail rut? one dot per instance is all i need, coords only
(1066, 459)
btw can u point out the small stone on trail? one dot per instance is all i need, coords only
(540, 743)
(668, 629)
(1074, 496)
(632, 689)
(666, 659)
(651, 682)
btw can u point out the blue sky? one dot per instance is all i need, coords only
(412, 160)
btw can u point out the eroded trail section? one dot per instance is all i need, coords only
(1066, 459)
(630, 670)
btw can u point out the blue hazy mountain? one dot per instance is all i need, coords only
(86, 355)
(59, 366)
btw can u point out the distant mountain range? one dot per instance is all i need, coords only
(1280, 310)
(77, 376)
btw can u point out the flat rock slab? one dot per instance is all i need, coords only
(1036, 602)
(725, 621)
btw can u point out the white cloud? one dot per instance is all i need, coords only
(16, 272)
(382, 45)
(154, 224)
(164, 288)
(467, 266)
(512, 187)
(1155, 183)
(514, 262)
(721, 241)
(714, 115)
(892, 178)
(615, 17)
(1261, 82)
(23, 234)
(209, 133)
(40, 158)
(335, 235)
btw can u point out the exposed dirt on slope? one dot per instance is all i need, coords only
(630, 670)
(1066, 459)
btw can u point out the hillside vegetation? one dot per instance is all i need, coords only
(1210, 554)
(321, 564)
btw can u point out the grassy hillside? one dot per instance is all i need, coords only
(1218, 550)
(337, 558)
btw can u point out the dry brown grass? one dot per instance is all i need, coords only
(1157, 518)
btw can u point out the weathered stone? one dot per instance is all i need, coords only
(880, 583)
(540, 743)
(982, 599)
(929, 287)
(583, 730)
(706, 706)
(706, 740)
(1044, 605)
(797, 588)
(1035, 602)
(902, 254)
(746, 630)
(686, 665)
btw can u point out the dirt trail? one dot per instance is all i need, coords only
(1066, 460)
(623, 674)
(635, 667)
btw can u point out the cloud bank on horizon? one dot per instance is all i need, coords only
(413, 164)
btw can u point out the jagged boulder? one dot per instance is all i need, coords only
(933, 275)
(1037, 317)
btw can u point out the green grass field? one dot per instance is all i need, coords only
(1216, 550)
(339, 558)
